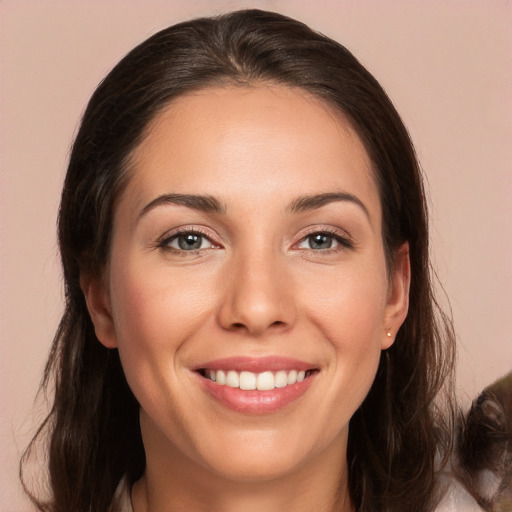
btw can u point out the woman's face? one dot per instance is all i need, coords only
(247, 248)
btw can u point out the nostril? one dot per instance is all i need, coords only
(239, 326)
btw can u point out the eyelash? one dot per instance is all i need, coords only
(165, 242)
(345, 242)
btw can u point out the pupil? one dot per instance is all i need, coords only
(320, 241)
(190, 241)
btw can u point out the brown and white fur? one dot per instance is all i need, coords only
(485, 447)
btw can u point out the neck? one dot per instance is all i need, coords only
(271, 497)
(172, 481)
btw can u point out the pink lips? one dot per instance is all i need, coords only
(256, 365)
(255, 401)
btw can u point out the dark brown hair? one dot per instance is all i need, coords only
(398, 433)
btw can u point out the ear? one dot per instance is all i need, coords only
(397, 304)
(98, 304)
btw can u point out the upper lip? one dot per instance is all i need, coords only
(256, 364)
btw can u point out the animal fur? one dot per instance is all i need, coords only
(485, 447)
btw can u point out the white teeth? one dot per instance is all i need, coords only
(232, 379)
(264, 381)
(281, 379)
(292, 377)
(247, 380)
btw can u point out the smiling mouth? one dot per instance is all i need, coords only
(248, 381)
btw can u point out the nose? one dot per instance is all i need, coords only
(257, 296)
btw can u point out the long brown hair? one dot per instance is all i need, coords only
(399, 431)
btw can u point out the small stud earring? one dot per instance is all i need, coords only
(388, 334)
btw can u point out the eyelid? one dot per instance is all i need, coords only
(163, 241)
(340, 235)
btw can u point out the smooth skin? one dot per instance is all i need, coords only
(284, 257)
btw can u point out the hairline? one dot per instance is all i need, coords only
(129, 163)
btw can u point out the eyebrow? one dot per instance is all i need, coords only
(207, 204)
(210, 204)
(312, 202)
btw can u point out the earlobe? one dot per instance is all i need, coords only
(98, 305)
(397, 304)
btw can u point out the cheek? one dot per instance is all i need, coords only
(354, 332)
(154, 315)
(349, 307)
(155, 306)
(349, 315)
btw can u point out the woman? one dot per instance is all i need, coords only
(249, 316)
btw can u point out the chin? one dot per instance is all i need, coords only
(240, 468)
(252, 455)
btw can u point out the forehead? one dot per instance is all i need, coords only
(225, 141)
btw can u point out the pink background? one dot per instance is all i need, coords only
(447, 65)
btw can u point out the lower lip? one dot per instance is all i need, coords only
(254, 401)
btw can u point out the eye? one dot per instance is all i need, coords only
(187, 241)
(317, 241)
(322, 240)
